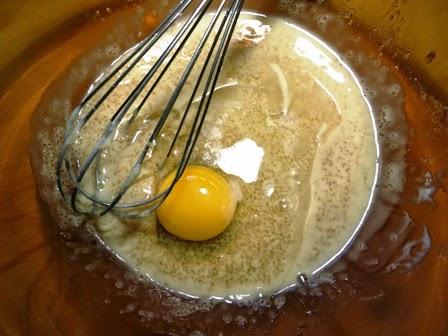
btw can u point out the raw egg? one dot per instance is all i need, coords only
(200, 206)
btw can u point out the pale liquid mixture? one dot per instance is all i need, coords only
(289, 127)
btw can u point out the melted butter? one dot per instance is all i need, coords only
(289, 127)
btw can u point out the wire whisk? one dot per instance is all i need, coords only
(74, 172)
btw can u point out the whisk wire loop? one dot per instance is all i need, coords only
(211, 69)
(124, 108)
(143, 47)
(169, 107)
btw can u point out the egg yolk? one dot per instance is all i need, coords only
(200, 206)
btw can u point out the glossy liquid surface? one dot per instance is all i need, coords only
(302, 187)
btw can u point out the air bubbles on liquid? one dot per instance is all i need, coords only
(241, 321)
(412, 253)
(55, 106)
(197, 333)
(424, 96)
(283, 4)
(89, 267)
(130, 308)
(130, 291)
(326, 278)
(392, 180)
(43, 137)
(316, 292)
(140, 11)
(394, 90)
(58, 134)
(294, 8)
(287, 203)
(407, 55)
(349, 54)
(359, 59)
(362, 246)
(315, 282)
(299, 8)
(393, 237)
(371, 262)
(236, 189)
(113, 50)
(119, 284)
(370, 93)
(294, 170)
(322, 20)
(268, 188)
(301, 330)
(376, 63)
(45, 193)
(227, 318)
(279, 301)
(89, 228)
(129, 276)
(65, 235)
(342, 276)
(67, 107)
(85, 250)
(388, 113)
(72, 257)
(148, 315)
(340, 266)
(262, 303)
(347, 15)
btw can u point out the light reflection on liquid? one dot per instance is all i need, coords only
(307, 49)
(243, 159)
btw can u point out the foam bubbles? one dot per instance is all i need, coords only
(390, 118)
(289, 169)
(302, 149)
